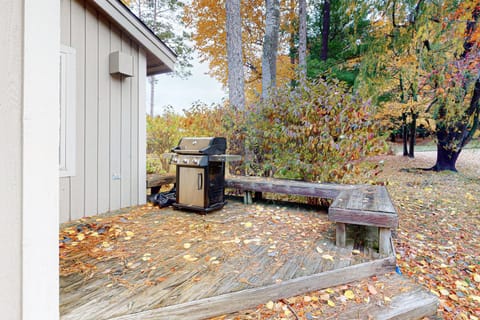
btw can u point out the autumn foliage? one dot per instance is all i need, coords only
(315, 133)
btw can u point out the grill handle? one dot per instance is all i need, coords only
(200, 181)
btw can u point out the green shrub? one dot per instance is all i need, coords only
(317, 133)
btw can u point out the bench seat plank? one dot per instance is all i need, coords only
(284, 186)
(372, 198)
(366, 205)
(158, 180)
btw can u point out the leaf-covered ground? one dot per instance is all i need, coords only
(437, 244)
(438, 241)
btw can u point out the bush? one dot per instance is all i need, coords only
(317, 133)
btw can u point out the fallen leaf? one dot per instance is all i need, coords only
(248, 224)
(319, 250)
(328, 257)
(331, 303)
(372, 289)
(349, 294)
(189, 258)
(325, 297)
(476, 277)
(443, 291)
(453, 297)
(80, 236)
(187, 245)
(269, 305)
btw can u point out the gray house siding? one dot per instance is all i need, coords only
(110, 116)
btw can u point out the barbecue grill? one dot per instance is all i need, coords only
(200, 170)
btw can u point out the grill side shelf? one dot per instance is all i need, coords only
(225, 158)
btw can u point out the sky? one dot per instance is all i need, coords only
(182, 93)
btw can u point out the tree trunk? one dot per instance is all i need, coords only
(446, 159)
(413, 131)
(325, 30)
(302, 42)
(270, 46)
(236, 80)
(153, 81)
(404, 134)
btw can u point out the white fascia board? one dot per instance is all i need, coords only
(138, 31)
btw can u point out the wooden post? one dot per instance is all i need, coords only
(384, 245)
(247, 197)
(341, 234)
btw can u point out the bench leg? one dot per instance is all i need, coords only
(247, 197)
(384, 242)
(341, 234)
(258, 196)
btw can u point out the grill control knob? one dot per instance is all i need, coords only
(185, 160)
(195, 161)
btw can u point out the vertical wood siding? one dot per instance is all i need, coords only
(110, 117)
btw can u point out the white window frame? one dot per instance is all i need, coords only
(67, 129)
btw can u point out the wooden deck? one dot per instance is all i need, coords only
(177, 265)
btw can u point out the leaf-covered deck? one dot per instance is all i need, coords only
(150, 258)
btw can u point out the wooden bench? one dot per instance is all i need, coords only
(365, 205)
(353, 204)
(284, 186)
(156, 181)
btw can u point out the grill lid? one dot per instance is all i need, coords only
(201, 145)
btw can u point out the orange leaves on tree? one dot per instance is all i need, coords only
(208, 18)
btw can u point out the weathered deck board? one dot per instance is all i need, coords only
(290, 246)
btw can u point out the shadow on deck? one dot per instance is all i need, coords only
(152, 263)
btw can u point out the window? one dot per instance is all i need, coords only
(67, 145)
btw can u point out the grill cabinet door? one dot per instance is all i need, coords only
(191, 186)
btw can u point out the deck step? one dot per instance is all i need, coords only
(411, 301)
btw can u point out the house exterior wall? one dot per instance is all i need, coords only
(11, 159)
(110, 117)
(29, 121)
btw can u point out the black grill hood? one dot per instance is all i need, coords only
(201, 146)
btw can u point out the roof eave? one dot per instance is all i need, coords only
(160, 58)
